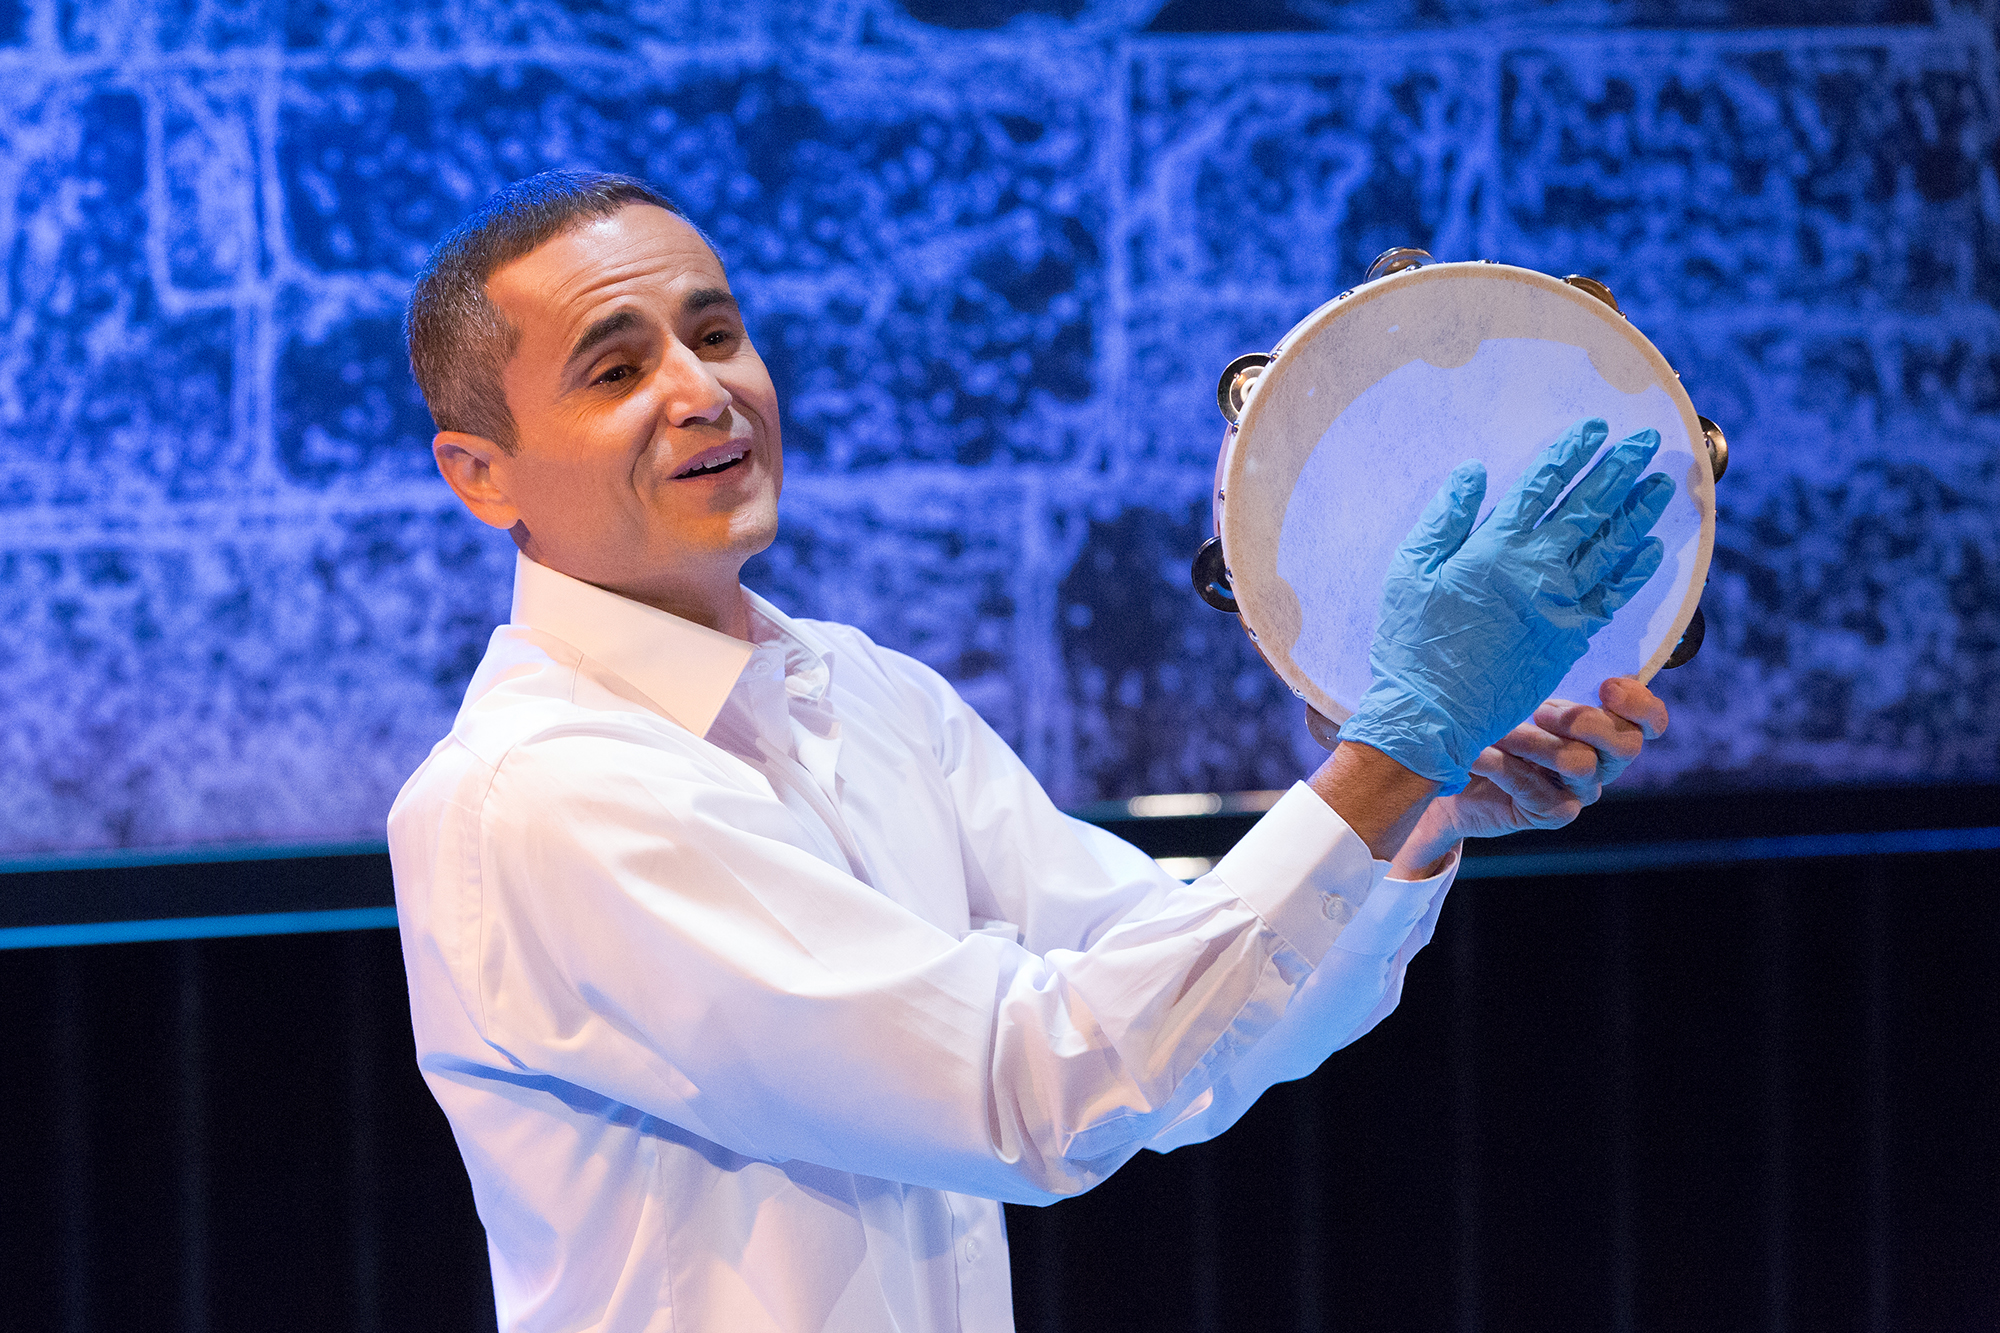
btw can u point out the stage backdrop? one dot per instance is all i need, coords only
(995, 255)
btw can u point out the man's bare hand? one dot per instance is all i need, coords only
(1541, 774)
(1631, 715)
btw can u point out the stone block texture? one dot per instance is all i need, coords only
(995, 254)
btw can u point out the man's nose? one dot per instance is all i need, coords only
(693, 393)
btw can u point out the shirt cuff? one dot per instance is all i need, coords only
(1393, 909)
(1308, 875)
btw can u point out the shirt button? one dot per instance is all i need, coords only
(972, 1251)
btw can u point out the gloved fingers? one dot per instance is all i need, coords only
(1602, 602)
(1446, 521)
(1605, 489)
(1523, 506)
(1619, 534)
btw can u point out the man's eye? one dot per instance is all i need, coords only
(615, 374)
(718, 338)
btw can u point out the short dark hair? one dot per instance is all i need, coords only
(458, 341)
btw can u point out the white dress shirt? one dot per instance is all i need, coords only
(751, 974)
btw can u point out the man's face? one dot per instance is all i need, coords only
(649, 459)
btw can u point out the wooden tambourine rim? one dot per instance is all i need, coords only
(1280, 429)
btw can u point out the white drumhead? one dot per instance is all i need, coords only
(1373, 400)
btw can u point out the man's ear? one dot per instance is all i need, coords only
(466, 462)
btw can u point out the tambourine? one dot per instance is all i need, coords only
(1339, 437)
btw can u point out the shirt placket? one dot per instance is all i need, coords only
(801, 751)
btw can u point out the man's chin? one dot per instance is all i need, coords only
(756, 537)
(712, 539)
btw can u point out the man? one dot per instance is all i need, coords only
(750, 966)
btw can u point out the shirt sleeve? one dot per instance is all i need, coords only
(1296, 1044)
(1300, 868)
(663, 939)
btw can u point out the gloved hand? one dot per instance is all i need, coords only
(1479, 627)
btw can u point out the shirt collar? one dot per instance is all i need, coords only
(686, 670)
(797, 658)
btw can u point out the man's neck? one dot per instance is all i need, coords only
(724, 609)
(717, 604)
(715, 601)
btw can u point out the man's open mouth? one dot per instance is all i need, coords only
(720, 461)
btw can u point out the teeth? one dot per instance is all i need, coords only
(715, 463)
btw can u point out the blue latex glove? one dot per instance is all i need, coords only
(1478, 628)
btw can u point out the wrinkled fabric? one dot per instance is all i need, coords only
(1479, 626)
(751, 975)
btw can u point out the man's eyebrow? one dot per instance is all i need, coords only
(613, 324)
(701, 298)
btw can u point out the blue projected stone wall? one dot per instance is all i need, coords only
(995, 254)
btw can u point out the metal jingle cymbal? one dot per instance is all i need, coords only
(1594, 288)
(1233, 389)
(1718, 447)
(1396, 260)
(1211, 577)
(1690, 643)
